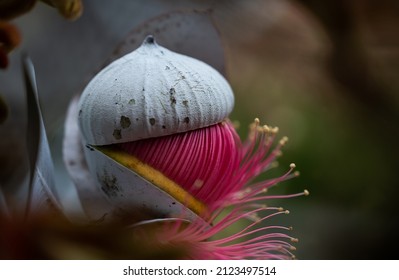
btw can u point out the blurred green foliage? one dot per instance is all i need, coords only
(334, 94)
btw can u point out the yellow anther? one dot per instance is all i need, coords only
(283, 140)
(266, 128)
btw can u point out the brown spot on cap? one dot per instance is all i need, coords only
(117, 134)
(109, 184)
(152, 121)
(125, 122)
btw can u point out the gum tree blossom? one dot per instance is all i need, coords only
(158, 142)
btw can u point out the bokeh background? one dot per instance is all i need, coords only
(325, 72)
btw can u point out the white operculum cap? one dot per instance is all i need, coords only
(152, 92)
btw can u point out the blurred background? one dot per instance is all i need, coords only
(325, 72)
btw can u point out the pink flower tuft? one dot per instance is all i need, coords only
(216, 167)
(204, 161)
